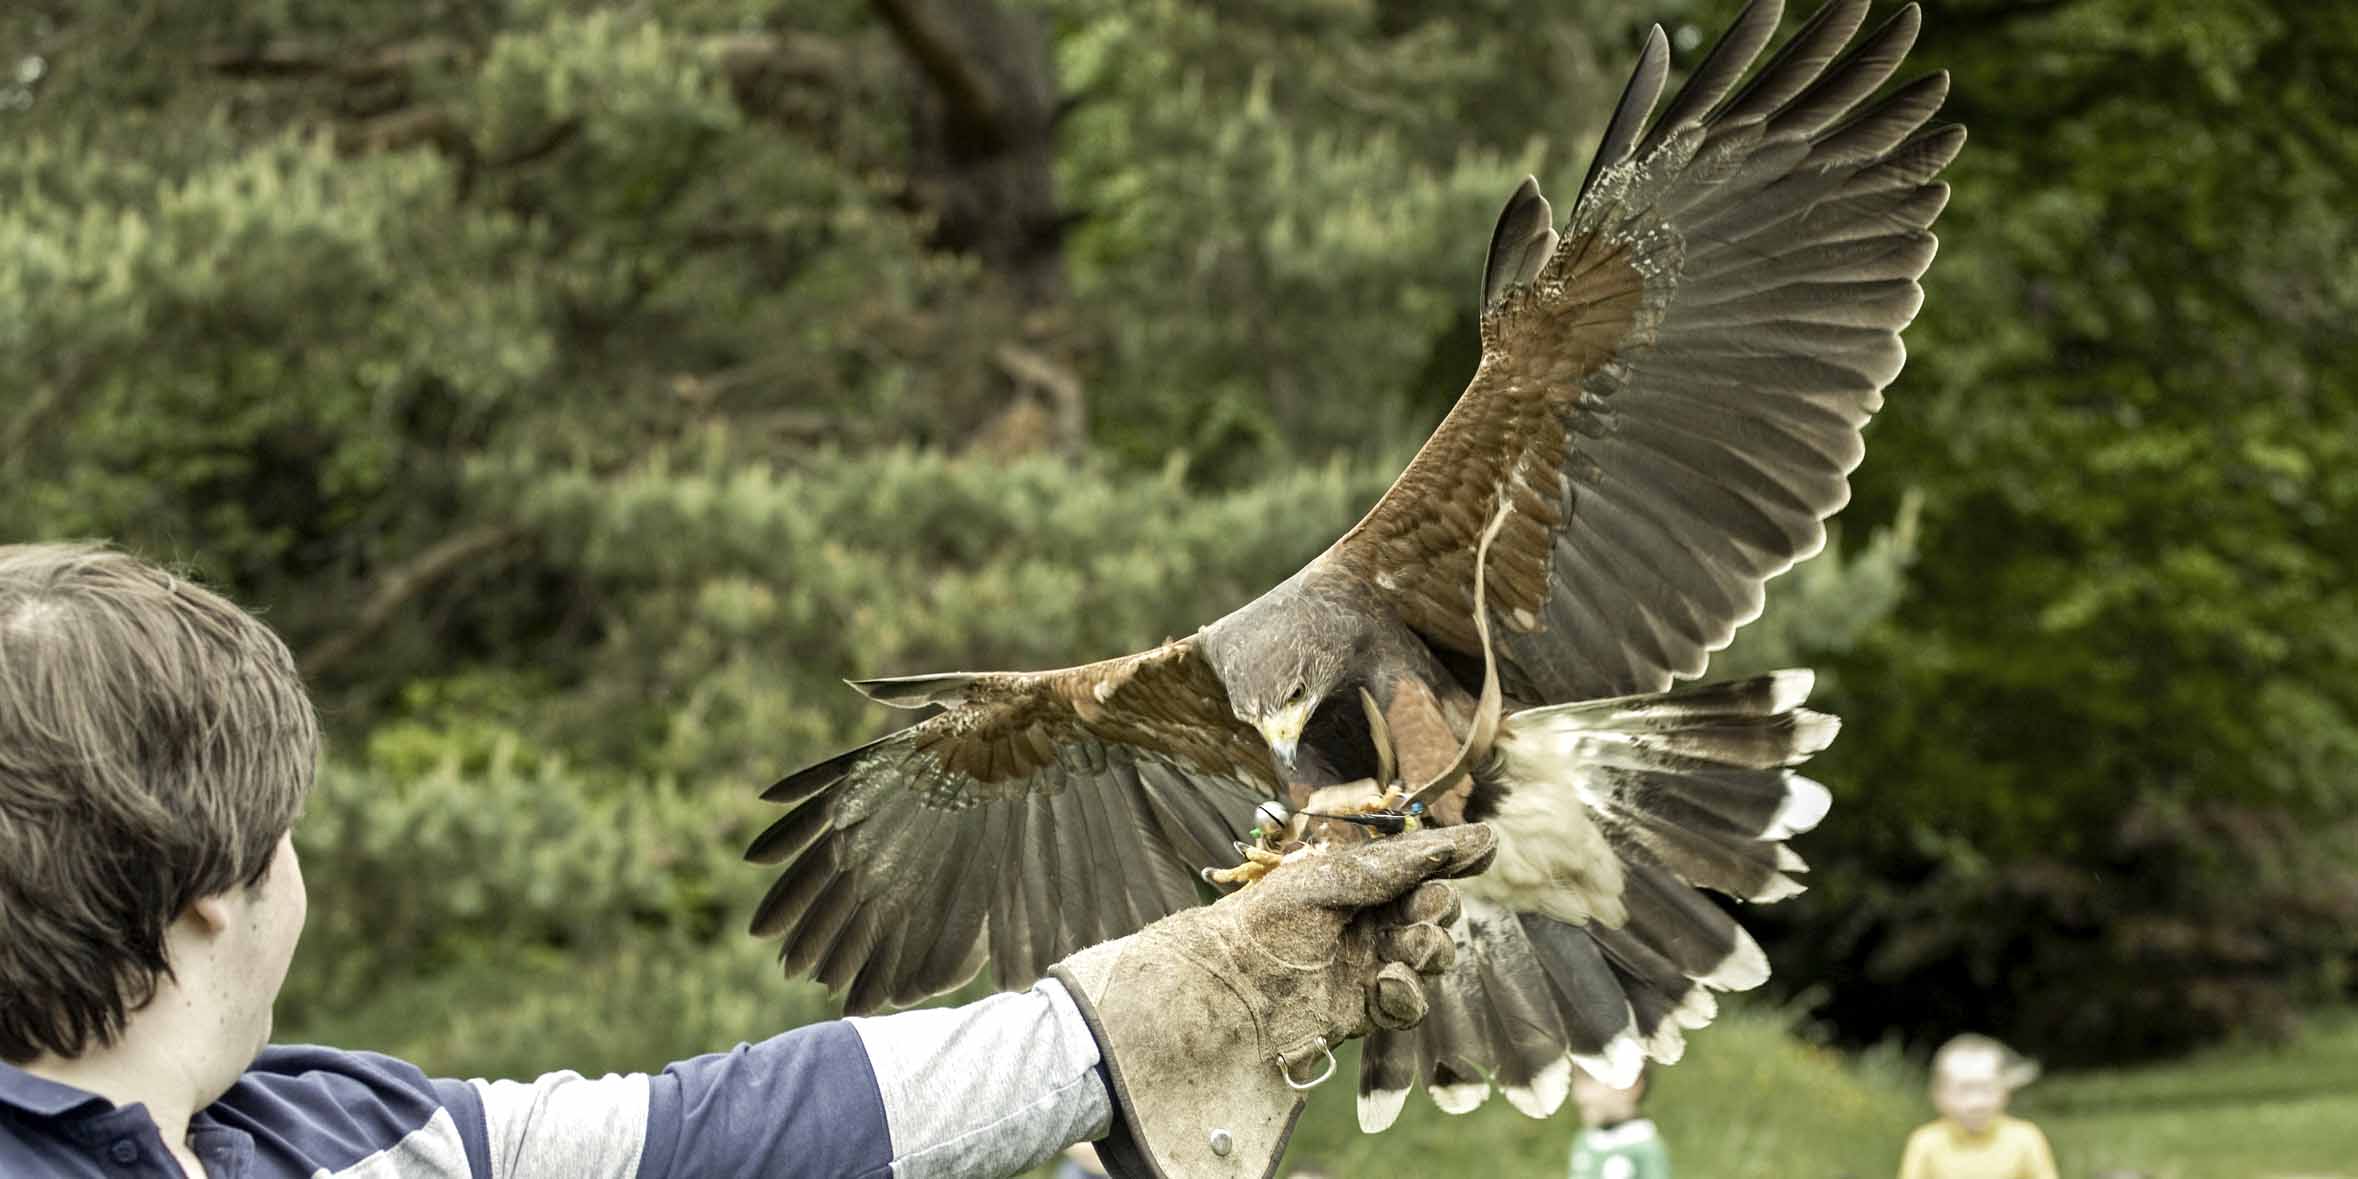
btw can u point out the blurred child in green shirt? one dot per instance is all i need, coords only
(1614, 1142)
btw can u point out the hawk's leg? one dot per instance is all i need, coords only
(1392, 813)
(1277, 838)
(1394, 798)
(1257, 863)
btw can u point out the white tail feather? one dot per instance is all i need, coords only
(1379, 1108)
(1546, 1093)
(1619, 1065)
(1465, 1097)
(1805, 806)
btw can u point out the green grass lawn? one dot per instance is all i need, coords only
(2232, 1112)
(1750, 1101)
(1753, 1100)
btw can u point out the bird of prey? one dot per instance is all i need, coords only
(1667, 408)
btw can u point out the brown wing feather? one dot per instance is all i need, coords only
(1673, 400)
(1039, 813)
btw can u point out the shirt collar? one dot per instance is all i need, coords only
(41, 1096)
(1621, 1134)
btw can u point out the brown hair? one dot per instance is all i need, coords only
(155, 744)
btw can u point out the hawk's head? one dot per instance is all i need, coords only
(1280, 657)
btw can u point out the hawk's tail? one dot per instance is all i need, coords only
(1589, 943)
(1697, 781)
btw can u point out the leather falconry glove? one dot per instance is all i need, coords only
(1215, 1022)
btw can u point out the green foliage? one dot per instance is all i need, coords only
(240, 332)
(453, 849)
(2130, 411)
(483, 908)
(630, 1006)
(2237, 916)
(257, 338)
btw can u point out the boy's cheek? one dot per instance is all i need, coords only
(1968, 1103)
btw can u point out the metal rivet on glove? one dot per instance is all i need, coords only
(1222, 1143)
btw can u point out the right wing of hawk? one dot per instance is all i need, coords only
(1671, 396)
(1671, 391)
(1039, 813)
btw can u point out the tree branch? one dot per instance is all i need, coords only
(799, 57)
(295, 59)
(964, 88)
(1061, 386)
(404, 583)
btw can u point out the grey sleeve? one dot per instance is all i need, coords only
(988, 1089)
(991, 1088)
(565, 1126)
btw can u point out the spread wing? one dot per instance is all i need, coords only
(1671, 391)
(1039, 813)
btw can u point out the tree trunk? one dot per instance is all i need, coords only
(983, 137)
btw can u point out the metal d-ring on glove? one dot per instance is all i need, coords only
(1314, 1082)
(1207, 1017)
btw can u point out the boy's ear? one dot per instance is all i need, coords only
(211, 914)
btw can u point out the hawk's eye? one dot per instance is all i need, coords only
(1295, 696)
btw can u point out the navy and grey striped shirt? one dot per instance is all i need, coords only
(987, 1089)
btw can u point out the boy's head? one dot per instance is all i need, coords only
(155, 747)
(1602, 1104)
(1973, 1077)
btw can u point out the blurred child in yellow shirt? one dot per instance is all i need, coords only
(1972, 1078)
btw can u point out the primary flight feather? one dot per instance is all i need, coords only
(1667, 409)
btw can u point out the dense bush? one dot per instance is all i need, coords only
(2178, 926)
(492, 913)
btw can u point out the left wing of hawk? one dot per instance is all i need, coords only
(1040, 813)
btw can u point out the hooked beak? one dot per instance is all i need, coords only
(1282, 729)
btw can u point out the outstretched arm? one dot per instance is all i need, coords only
(988, 1088)
(1140, 1039)
(991, 1088)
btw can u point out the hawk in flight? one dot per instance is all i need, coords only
(1668, 406)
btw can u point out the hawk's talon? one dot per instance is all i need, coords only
(1242, 876)
(1258, 862)
(1393, 805)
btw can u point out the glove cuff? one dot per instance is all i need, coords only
(1195, 1093)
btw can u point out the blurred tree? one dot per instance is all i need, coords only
(268, 299)
(2123, 688)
